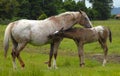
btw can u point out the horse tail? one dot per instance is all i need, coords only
(110, 35)
(7, 36)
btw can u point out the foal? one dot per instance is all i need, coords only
(86, 35)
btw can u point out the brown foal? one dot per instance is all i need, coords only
(86, 35)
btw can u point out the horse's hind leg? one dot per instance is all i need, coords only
(105, 53)
(13, 59)
(19, 49)
(105, 48)
(13, 53)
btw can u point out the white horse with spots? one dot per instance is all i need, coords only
(36, 32)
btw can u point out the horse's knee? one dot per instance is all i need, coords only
(17, 54)
(13, 54)
(55, 55)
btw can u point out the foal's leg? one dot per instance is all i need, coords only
(80, 52)
(81, 55)
(105, 48)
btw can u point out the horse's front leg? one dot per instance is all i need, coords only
(56, 45)
(80, 52)
(81, 55)
(50, 55)
(53, 50)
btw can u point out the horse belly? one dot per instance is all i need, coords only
(91, 39)
(38, 41)
(39, 37)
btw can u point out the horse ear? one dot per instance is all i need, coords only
(80, 11)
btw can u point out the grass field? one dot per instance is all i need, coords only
(67, 61)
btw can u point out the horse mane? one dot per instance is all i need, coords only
(64, 14)
(60, 15)
(67, 15)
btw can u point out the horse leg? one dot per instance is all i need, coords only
(56, 45)
(19, 49)
(50, 54)
(13, 54)
(80, 52)
(81, 55)
(53, 50)
(105, 49)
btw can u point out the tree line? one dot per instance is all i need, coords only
(40, 9)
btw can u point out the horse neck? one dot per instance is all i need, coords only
(68, 20)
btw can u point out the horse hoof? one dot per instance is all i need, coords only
(49, 68)
(103, 65)
(82, 64)
(104, 62)
(55, 67)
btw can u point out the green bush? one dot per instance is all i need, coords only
(4, 21)
(42, 16)
(16, 18)
(7, 21)
(112, 16)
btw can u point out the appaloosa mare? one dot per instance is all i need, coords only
(86, 35)
(36, 32)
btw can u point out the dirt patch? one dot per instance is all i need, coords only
(115, 58)
(99, 57)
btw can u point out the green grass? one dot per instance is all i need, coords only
(67, 61)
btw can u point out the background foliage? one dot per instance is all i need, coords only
(33, 9)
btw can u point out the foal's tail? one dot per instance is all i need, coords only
(110, 35)
(7, 36)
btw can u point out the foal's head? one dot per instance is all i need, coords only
(84, 20)
(57, 34)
